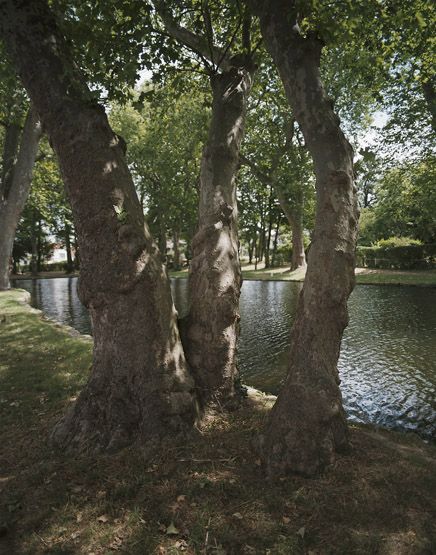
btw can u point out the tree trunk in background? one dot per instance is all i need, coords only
(70, 265)
(270, 224)
(298, 259)
(76, 253)
(429, 91)
(139, 388)
(39, 256)
(211, 328)
(307, 424)
(294, 215)
(162, 240)
(276, 239)
(176, 250)
(34, 245)
(16, 180)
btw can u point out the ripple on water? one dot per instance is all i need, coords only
(388, 358)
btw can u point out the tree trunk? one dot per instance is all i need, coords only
(428, 88)
(70, 265)
(139, 388)
(276, 239)
(34, 246)
(298, 255)
(251, 243)
(307, 424)
(76, 253)
(39, 253)
(10, 150)
(19, 178)
(212, 325)
(270, 224)
(176, 250)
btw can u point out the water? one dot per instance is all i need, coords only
(388, 358)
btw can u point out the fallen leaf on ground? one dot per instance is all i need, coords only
(103, 518)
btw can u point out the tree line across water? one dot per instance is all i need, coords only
(235, 137)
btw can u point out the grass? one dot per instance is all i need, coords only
(204, 494)
(364, 276)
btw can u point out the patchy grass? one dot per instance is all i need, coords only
(202, 495)
(423, 278)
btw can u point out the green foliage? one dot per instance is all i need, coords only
(399, 257)
(397, 242)
(405, 204)
(164, 140)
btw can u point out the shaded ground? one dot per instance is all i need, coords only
(204, 495)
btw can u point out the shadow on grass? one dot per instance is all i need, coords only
(203, 494)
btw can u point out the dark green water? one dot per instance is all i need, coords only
(388, 358)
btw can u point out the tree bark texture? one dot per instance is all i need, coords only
(18, 177)
(139, 387)
(211, 328)
(307, 424)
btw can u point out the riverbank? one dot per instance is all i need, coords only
(206, 494)
(364, 276)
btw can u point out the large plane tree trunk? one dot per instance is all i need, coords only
(211, 328)
(15, 190)
(307, 424)
(139, 387)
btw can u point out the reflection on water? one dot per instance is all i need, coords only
(388, 358)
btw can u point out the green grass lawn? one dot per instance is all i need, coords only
(204, 494)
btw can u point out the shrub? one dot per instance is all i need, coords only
(411, 256)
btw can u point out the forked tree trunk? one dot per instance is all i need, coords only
(18, 179)
(139, 386)
(307, 424)
(212, 326)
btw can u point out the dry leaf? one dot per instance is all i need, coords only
(181, 498)
(301, 532)
(79, 517)
(238, 516)
(103, 518)
(286, 520)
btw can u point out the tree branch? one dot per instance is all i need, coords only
(197, 43)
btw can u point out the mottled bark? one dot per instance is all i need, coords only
(139, 387)
(307, 424)
(16, 181)
(211, 328)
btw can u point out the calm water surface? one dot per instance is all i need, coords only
(388, 358)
